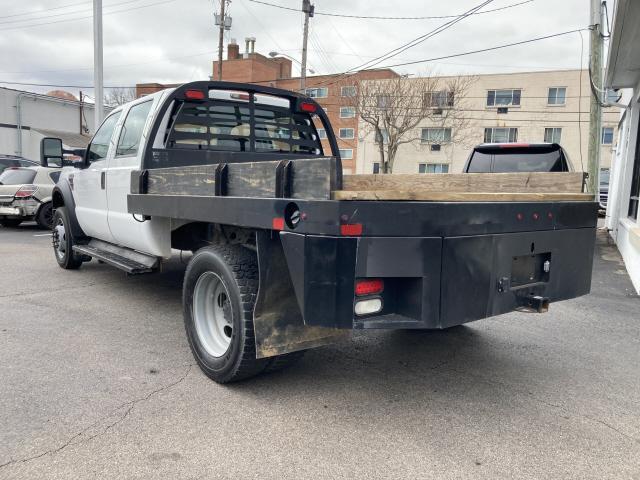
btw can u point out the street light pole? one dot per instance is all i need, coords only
(97, 64)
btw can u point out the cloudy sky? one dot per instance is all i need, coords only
(50, 41)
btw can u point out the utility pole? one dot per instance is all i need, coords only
(97, 64)
(308, 9)
(221, 38)
(595, 111)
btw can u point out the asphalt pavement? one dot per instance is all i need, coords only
(97, 381)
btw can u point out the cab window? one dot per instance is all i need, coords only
(131, 133)
(100, 143)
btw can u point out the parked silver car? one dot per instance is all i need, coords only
(25, 194)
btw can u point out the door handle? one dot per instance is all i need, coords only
(102, 179)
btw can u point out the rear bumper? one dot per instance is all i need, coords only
(436, 282)
(23, 210)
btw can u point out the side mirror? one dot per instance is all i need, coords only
(51, 152)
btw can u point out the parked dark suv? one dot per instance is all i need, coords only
(517, 157)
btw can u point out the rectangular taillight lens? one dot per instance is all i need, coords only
(369, 286)
(26, 191)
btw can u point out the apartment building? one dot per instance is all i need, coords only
(550, 106)
(330, 91)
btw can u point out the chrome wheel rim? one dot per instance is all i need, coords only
(212, 314)
(59, 239)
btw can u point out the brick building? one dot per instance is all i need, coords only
(330, 91)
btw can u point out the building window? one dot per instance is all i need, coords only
(552, 135)
(436, 135)
(500, 135)
(347, 112)
(346, 133)
(383, 101)
(349, 91)
(376, 167)
(346, 153)
(557, 96)
(322, 133)
(320, 92)
(503, 97)
(433, 168)
(384, 134)
(441, 99)
(607, 135)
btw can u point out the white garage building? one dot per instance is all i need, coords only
(26, 117)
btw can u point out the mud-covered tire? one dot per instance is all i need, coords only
(65, 257)
(10, 222)
(282, 362)
(236, 268)
(44, 219)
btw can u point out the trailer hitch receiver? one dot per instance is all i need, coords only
(533, 303)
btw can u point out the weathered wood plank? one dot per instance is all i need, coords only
(460, 196)
(252, 179)
(313, 178)
(542, 182)
(196, 180)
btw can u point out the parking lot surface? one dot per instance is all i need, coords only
(97, 381)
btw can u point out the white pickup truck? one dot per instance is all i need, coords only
(285, 257)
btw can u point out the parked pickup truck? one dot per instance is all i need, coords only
(288, 253)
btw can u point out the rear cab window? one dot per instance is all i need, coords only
(131, 132)
(239, 121)
(17, 176)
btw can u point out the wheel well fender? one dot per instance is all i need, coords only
(63, 197)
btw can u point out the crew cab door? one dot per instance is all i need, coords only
(89, 183)
(148, 236)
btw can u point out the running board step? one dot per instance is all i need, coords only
(125, 259)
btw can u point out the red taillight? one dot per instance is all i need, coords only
(240, 96)
(194, 94)
(369, 286)
(277, 223)
(351, 229)
(307, 107)
(26, 191)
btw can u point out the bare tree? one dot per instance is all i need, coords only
(118, 96)
(396, 109)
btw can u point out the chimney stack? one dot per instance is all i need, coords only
(252, 40)
(233, 50)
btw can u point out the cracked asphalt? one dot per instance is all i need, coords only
(97, 381)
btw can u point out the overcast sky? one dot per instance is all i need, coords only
(175, 40)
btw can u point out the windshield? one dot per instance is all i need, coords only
(505, 160)
(17, 176)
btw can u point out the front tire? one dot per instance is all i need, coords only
(219, 293)
(45, 216)
(63, 241)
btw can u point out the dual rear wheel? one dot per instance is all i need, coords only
(219, 292)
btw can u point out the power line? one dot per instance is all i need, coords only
(66, 13)
(505, 45)
(373, 17)
(394, 52)
(84, 18)
(406, 63)
(45, 10)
